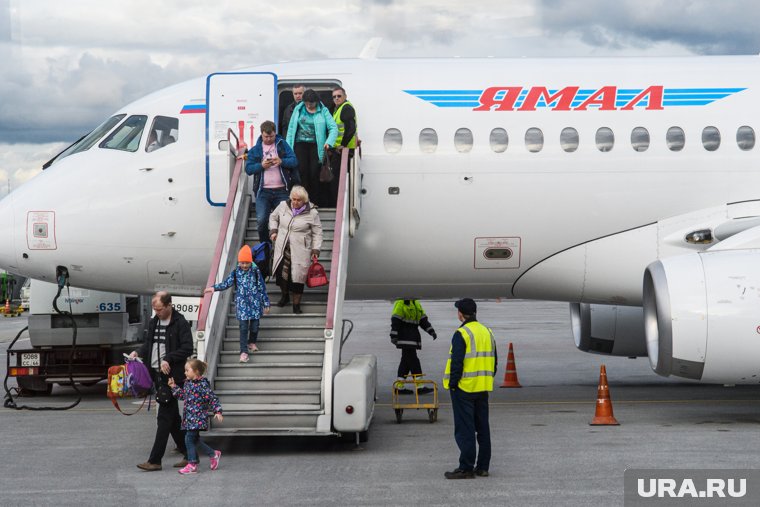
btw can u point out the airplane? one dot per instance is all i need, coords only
(627, 187)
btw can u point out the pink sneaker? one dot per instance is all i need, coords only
(252, 347)
(190, 468)
(214, 462)
(243, 357)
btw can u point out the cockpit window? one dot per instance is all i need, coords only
(127, 136)
(165, 131)
(93, 137)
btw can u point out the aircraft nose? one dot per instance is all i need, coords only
(7, 227)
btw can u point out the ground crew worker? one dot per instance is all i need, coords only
(344, 115)
(407, 317)
(469, 377)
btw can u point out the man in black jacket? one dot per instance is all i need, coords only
(298, 90)
(168, 344)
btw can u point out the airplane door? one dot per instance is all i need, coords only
(237, 101)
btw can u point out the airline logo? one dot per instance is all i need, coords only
(573, 98)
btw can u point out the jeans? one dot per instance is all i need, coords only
(267, 200)
(193, 440)
(471, 418)
(249, 332)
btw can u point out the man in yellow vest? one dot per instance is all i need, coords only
(469, 376)
(406, 319)
(344, 115)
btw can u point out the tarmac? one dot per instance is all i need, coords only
(545, 453)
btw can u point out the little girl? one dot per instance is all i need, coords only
(198, 398)
(251, 299)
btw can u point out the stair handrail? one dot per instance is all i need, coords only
(339, 248)
(335, 293)
(235, 197)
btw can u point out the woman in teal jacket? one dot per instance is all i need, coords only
(311, 131)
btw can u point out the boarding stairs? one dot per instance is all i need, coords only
(286, 387)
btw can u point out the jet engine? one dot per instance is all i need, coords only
(702, 316)
(607, 329)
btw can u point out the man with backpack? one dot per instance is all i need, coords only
(168, 343)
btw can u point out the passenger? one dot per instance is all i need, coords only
(199, 399)
(406, 319)
(168, 344)
(272, 158)
(251, 299)
(297, 235)
(152, 143)
(311, 132)
(288, 111)
(345, 117)
(469, 377)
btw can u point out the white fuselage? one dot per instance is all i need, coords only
(121, 227)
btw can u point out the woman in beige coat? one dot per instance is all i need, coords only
(296, 233)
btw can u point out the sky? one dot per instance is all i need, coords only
(66, 65)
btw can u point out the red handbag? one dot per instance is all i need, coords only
(316, 276)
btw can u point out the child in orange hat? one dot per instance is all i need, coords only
(251, 300)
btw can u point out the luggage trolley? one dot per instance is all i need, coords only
(417, 383)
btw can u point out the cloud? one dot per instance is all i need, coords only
(21, 162)
(701, 27)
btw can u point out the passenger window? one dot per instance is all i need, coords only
(568, 139)
(165, 131)
(710, 138)
(93, 137)
(640, 139)
(127, 136)
(499, 140)
(605, 139)
(428, 140)
(745, 138)
(534, 139)
(463, 140)
(675, 139)
(392, 140)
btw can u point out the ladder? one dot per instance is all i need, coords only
(286, 388)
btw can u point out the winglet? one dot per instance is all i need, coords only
(369, 52)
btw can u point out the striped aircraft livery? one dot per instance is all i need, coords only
(573, 98)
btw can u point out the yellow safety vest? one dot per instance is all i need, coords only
(342, 127)
(411, 313)
(479, 359)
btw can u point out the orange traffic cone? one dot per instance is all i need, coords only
(7, 306)
(603, 415)
(510, 375)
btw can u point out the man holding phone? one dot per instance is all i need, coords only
(274, 167)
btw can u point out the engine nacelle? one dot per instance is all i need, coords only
(606, 329)
(702, 316)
